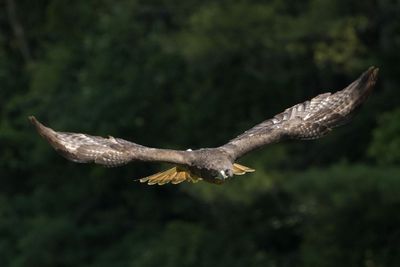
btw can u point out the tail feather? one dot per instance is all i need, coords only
(179, 178)
(179, 174)
(168, 178)
(240, 169)
(174, 175)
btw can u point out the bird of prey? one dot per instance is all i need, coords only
(308, 120)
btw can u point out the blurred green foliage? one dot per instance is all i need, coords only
(385, 147)
(183, 74)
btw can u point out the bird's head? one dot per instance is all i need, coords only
(212, 165)
(220, 169)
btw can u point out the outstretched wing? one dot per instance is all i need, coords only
(308, 120)
(109, 151)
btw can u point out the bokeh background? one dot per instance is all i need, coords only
(191, 74)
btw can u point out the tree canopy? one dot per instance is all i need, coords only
(190, 74)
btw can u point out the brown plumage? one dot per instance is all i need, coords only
(308, 120)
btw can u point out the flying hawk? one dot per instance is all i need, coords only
(308, 120)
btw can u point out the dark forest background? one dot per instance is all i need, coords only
(190, 74)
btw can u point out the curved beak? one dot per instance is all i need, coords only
(223, 175)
